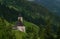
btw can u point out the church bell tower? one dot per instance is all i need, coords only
(20, 18)
(19, 24)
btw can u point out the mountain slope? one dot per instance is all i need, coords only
(7, 32)
(52, 5)
(33, 13)
(8, 18)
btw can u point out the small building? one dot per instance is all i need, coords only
(19, 24)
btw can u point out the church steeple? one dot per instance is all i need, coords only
(20, 18)
(19, 25)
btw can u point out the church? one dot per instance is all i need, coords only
(19, 24)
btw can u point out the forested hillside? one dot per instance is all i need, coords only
(40, 23)
(52, 5)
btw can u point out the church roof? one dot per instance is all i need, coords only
(19, 15)
(19, 23)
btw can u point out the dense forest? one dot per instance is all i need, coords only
(40, 23)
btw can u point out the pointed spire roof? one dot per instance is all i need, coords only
(19, 15)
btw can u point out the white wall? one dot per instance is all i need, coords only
(21, 28)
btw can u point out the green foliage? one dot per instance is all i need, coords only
(33, 15)
(31, 30)
(7, 33)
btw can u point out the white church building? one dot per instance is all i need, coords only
(19, 25)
